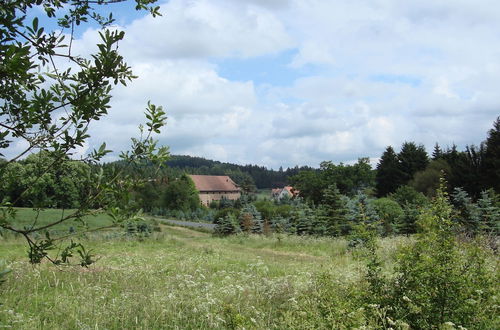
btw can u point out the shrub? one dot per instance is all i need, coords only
(440, 279)
(389, 213)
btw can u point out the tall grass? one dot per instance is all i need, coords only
(180, 278)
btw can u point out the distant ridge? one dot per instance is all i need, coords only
(259, 176)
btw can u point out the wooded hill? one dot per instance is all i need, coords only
(259, 176)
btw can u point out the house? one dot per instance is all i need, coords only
(287, 191)
(215, 187)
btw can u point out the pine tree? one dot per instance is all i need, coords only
(389, 176)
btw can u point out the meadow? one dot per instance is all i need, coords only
(27, 217)
(179, 278)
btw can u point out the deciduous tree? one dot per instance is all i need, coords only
(48, 107)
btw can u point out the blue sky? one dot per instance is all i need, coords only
(297, 82)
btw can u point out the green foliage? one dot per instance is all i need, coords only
(411, 158)
(388, 177)
(310, 185)
(138, 228)
(467, 214)
(36, 182)
(411, 201)
(440, 279)
(227, 225)
(250, 219)
(389, 212)
(491, 161)
(303, 220)
(181, 194)
(427, 181)
(222, 213)
(3, 272)
(48, 106)
(348, 179)
(334, 212)
(408, 195)
(361, 210)
(407, 223)
(473, 218)
(213, 282)
(364, 222)
(489, 212)
(271, 209)
(246, 176)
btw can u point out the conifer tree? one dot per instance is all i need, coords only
(334, 211)
(227, 225)
(251, 219)
(491, 162)
(412, 158)
(360, 211)
(303, 219)
(468, 215)
(389, 176)
(489, 213)
(437, 152)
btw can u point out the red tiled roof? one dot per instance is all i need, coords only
(214, 183)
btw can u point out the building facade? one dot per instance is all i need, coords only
(215, 187)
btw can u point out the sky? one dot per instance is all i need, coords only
(296, 82)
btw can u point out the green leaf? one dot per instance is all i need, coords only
(35, 24)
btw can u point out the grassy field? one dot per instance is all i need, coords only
(27, 217)
(178, 278)
(263, 194)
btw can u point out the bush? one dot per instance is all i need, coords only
(389, 213)
(440, 279)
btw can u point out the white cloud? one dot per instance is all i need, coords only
(365, 74)
(200, 29)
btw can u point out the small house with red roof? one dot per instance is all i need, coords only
(287, 191)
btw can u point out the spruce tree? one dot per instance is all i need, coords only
(251, 219)
(227, 226)
(303, 219)
(412, 158)
(489, 213)
(334, 211)
(437, 152)
(389, 176)
(360, 212)
(468, 215)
